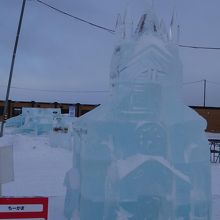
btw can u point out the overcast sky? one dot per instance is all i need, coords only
(59, 53)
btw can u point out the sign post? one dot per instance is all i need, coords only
(6, 165)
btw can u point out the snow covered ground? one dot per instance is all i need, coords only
(40, 170)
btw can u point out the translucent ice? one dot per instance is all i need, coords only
(34, 120)
(61, 134)
(48, 121)
(143, 155)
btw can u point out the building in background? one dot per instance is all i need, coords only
(211, 114)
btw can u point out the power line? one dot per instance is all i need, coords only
(65, 91)
(90, 91)
(199, 47)
(216, 83)
(75, 17)
(193, 82)
(111, 30)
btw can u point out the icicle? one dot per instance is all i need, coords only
(171, 27)
(163, 30)
(140, 25)
(152, 4)
(124, 24)
(174, 28)
(118, 22)
(119, 29)
(178, 34)
(132, 28)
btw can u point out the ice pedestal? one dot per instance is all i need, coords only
(143, 154)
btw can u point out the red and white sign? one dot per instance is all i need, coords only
(24, 208)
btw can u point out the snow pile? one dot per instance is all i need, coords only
(37, 166)
(39, 170)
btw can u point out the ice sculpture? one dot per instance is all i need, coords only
(45, 121)
(34, 120)
(61, 135)
(143, 155)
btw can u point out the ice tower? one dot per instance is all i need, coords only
(143, 155)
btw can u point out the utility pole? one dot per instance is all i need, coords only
(204, 93)
(5, 116)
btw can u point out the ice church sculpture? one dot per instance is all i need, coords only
(143, 155)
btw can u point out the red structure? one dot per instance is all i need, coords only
(31, 208)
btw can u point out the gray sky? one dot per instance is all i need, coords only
(58, 53)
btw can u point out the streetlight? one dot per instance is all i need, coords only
(12, 67)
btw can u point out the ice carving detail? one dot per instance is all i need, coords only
(143, 154)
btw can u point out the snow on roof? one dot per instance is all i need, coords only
(130, 164)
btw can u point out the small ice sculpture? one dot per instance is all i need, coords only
(61, 134)
(34, 120)
(143, 155)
